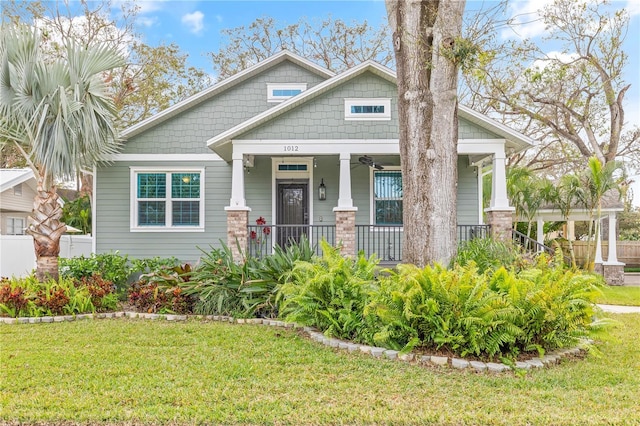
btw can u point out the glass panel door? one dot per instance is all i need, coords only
(292, 208)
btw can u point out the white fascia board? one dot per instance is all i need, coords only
(554, 215)
(481, 146)
(523, 142)
(316, 147)
(223, 85)
(18, 179)
(227, 136)
(166, 157)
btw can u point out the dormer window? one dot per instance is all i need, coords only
(278, 92)
(367, 109)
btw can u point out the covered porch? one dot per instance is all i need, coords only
(348, 192)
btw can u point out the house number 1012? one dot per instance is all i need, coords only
(291, 148)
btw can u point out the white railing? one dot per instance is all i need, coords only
(18, 258)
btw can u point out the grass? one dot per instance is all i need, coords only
(142, 372)
(614, 295)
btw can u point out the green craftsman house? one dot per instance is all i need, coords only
(280, 150)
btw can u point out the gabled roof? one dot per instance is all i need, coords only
(222, 86)
(12, 177)
(519, 141)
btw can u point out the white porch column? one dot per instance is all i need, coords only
(612, 269)
(499, 198)
(613, 250)
(598, 256)
(237, 200)
(480, 194)
(344, 195)
(540, 232)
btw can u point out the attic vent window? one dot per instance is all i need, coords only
(292, 167)
(367, 109)
(279, 92)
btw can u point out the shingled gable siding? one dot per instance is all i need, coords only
(323, 117)
(189, 131)
(113, 217)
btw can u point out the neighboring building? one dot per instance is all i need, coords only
(265, 143)
(17, 191)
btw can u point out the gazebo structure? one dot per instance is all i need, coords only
(609, 266)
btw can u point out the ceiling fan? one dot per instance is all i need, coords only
(368, 161)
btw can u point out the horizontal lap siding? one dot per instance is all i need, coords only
(113, 214)
(467, 193)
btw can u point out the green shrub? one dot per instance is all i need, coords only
(491, 314)
(330, 293)
(439, 308)
(220, 286)
(112, 266)
(487, 254)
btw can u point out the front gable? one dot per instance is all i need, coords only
(186, 127)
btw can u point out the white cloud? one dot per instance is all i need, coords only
(526, 21)
(219, 18)
(194, 21)
(77, 28)
(149, 6)
(146, 21)
(562, 57)
(633, 7)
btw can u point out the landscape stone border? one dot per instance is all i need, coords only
(317, 336)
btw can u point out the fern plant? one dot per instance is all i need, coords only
(330, 293)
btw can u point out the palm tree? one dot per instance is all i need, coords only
(57, 113)
(598, 179)
(565, 196)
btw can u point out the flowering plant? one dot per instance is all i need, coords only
(266, 230)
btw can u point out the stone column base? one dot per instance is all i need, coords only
(237, 232)
(613, 274)
(501, 224)
(598, 268)
(346, 231)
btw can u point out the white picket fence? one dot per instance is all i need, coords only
(17, 256)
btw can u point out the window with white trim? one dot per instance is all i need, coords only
(15, 226)
(279, 92)
(167, 200)
(387, 197)
(17, 190)
(367, 109)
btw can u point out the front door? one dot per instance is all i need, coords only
(292, 211)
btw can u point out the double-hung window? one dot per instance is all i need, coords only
(167, 200)
(387, 197)
(15, 226)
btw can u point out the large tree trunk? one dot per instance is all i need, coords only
(46, 228)
(427, 114)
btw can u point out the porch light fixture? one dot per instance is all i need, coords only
(322, 191)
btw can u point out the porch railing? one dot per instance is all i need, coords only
(385, 241)
(263, 238)
(532, 246)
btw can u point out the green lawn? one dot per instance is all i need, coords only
(614, 295)
(145, 372)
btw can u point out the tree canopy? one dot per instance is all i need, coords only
(570, 97)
